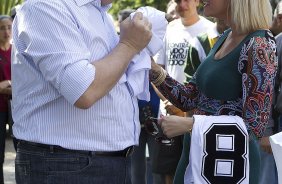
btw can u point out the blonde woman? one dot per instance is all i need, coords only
(236, 78)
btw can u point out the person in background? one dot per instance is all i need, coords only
(274, 4)
(236, 78)
(185, 46)
(5, 85)
(11, 122)
(278, 93)
(141, 171)
(122, 15)
(75, 120)
(276, 26)
(268, 166)
(13, 11)
(171, 10)
(5, 88)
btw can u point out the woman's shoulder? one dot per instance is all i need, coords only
(259, 34)
(257, 41)
(262, 37)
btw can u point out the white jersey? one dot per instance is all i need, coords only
(219, 152)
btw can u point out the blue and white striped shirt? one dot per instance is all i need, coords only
(55, 41)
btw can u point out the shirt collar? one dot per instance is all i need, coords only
(84, 2)
(96, 3)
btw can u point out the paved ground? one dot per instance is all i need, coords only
(9, 166)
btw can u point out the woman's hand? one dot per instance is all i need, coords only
(5, 87)
(174, 125)
(265, 145)
(154, 66)
(172, 110)
(5, 84)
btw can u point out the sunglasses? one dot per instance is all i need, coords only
(153, 128)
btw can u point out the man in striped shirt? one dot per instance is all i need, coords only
(75, 120)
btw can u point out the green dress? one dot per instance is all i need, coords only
(224, 87)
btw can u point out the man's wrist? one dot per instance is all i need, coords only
(129, 47)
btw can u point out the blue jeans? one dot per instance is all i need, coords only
(36, 165)
(268, 173)
(139, 171)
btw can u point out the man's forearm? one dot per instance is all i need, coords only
(108, 71)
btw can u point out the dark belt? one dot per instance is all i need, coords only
(55, 149)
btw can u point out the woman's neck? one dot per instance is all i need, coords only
(5, 46)
(234, 31)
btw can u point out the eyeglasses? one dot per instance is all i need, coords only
(153, 128)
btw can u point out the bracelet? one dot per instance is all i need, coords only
(9, 82)
(165, 102)
(160, 78)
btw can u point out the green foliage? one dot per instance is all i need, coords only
(7, 5)
(134, 4)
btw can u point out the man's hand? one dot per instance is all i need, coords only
(136, 32)
(134, 36)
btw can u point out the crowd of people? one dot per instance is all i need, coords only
(86, 99)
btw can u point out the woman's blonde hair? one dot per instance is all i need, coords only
(251, 15)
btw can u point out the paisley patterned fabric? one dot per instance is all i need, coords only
(257, 65)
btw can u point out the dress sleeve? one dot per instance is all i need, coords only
(258, 64)
(184, 97)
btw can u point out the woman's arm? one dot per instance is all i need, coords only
(171, 109)
(258, 75)
(182, 96)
